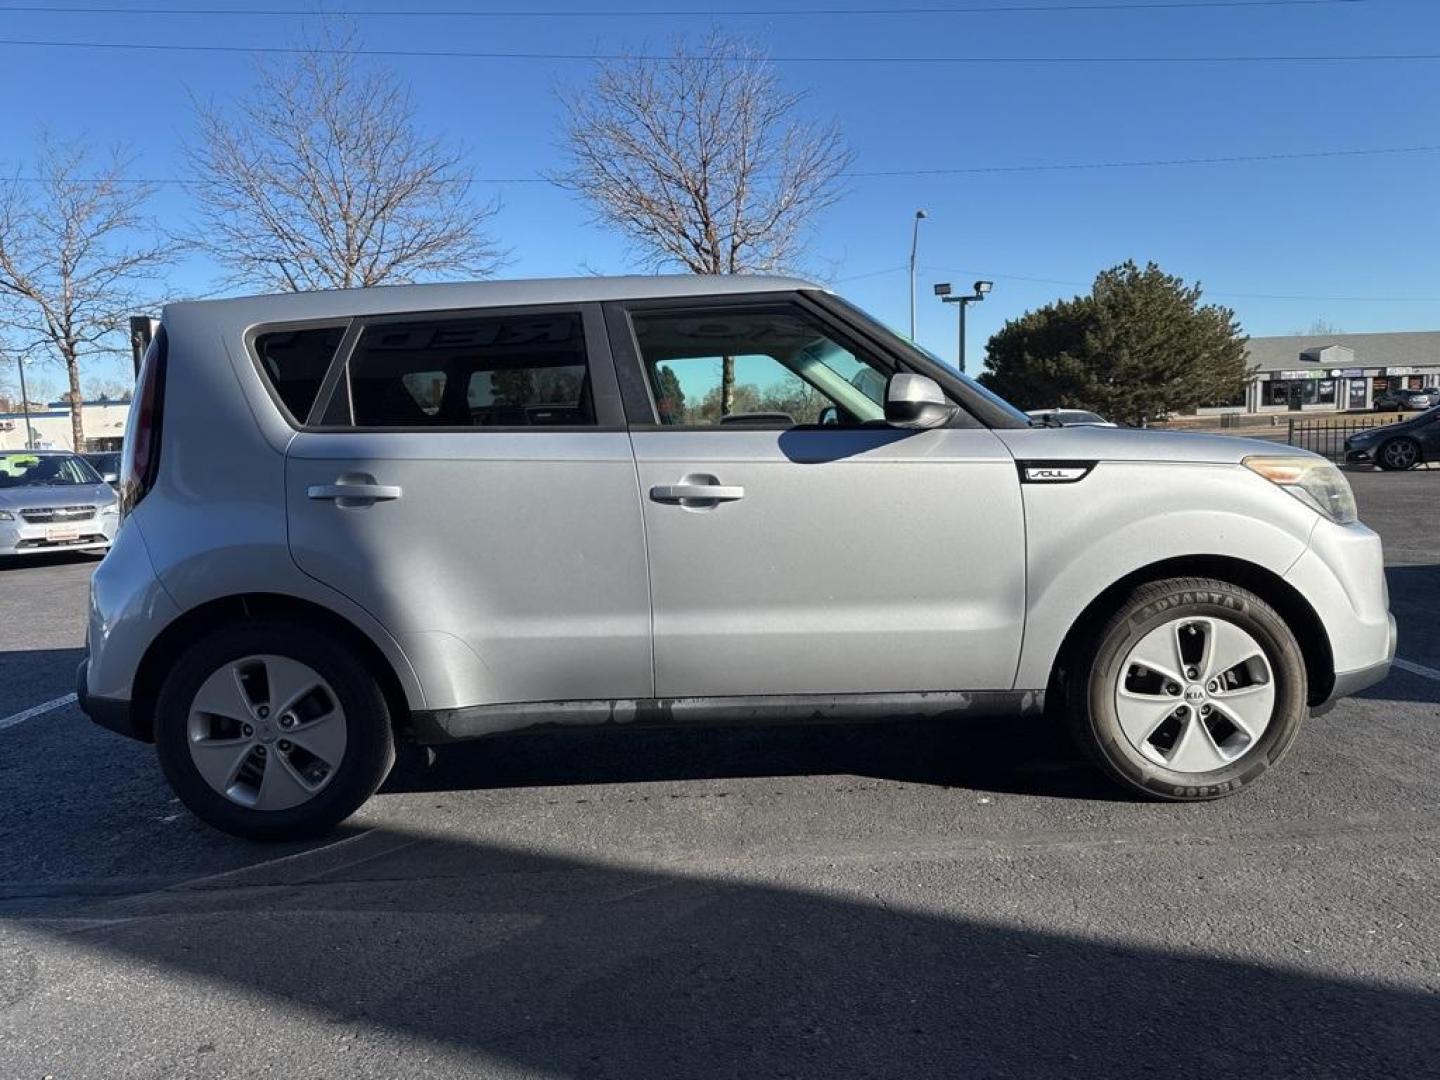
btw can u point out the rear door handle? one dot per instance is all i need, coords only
(347, 493)
(697, 490)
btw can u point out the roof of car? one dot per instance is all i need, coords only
(386, 299)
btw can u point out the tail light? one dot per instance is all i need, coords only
(140, 459)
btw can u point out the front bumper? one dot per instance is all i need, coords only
(21, 537)
(1342, 576)
(1352, 682)
(1359, 455)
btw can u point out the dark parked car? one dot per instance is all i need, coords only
(107, 465)
(1398, 446)
(1402, 400)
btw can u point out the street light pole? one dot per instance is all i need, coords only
(914, 247)
(961, 351)
(25, 404)
(982, 289)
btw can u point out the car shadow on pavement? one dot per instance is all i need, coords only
(34, 676)
(1415, 602)
(503, 959)
(1015, 755)
(56, 558)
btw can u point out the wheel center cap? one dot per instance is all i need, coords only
(265, 731)
(1194, 694)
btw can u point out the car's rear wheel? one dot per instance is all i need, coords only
(270, 731)
(1194, 688)
(1397, 455)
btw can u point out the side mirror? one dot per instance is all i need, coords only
(829, 416)
(916, 401)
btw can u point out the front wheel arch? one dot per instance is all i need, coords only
(1304, 623)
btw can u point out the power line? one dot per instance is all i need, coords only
(1152, 163)
(871, 274)
(467, 54)
(1229, 159)
(1208, 292)
(626, 13)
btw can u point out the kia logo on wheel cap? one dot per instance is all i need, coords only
(1195, 693)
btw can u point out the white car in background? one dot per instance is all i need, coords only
(52, 500)
(1070, 418)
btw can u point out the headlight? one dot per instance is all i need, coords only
(1314, 481)
(111, 510)
(6, 515)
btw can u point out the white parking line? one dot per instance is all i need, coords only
(36, 710)
(1417, 669)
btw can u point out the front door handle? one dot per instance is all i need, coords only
(350, 492)
(697, 491)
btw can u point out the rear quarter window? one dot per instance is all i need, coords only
(294, 363)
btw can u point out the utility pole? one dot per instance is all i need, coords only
(920, 215)
(982, 289)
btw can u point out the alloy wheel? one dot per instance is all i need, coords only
(1195, 694)
(266, 732)
(1400, 454)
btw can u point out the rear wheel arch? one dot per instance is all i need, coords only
(229, 610)
(1304, 623)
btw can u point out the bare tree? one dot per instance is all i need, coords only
(77, 257)
(1319, 328)
(108, 390)
(322, 179)
(701, 161)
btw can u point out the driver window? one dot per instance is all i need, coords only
(761, 367)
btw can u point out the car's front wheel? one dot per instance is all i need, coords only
(271, 731)
(1194, 688)
(1397, 455)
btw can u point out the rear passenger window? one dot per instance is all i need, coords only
(295, 362)
(500, 371)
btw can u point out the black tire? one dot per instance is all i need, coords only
(1093, 680)
(1397, 455)
(369, 749)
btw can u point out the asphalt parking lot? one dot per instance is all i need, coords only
(820, 902)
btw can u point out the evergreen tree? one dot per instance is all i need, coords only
(1140, 345)
(669, 396)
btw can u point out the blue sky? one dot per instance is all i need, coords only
(1355, 236)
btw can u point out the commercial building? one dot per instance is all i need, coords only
(1337, 372)
(103, 420)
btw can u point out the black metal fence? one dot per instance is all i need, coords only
(1328, 437)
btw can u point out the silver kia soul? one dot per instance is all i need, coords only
(441, 512)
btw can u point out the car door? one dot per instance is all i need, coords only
(796, 545)
(467, 479)
(1427, 433)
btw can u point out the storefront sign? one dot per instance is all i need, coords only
(1402, 371)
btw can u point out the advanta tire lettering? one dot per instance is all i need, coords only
(1107, 687)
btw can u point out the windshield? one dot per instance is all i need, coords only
(44, 470)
